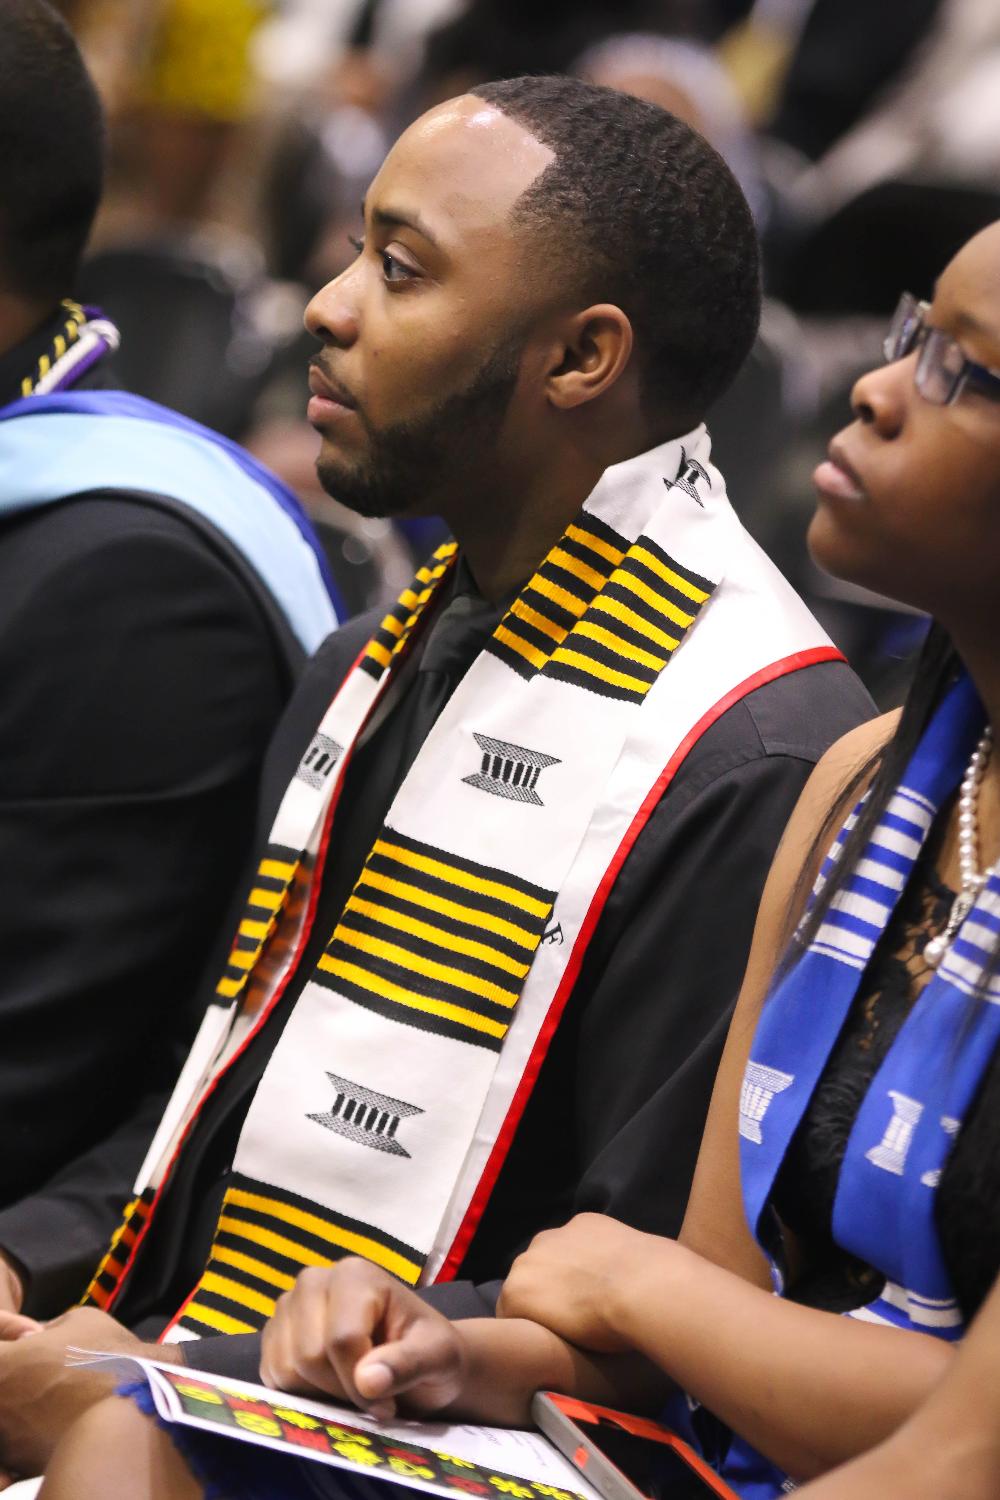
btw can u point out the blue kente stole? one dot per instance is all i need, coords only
(908, 1121)
(78, 442)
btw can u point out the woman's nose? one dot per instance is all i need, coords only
(880, 397)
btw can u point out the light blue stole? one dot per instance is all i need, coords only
(80, 442)
(908, 1121)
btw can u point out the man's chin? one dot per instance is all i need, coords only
(353, 493)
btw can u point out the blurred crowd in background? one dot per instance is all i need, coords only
(244, 134)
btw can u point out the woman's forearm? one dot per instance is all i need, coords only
(809, 1389)
(916, 1465)
(950, 1448)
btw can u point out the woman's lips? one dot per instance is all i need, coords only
(835, 478)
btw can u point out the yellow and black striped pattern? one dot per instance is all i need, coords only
(436, 942)
(633, 626)
(394, 631)
(272, 882)
(265, 1238)
(601, 614)
(75, 319)
(551, 606)
(109, 1273)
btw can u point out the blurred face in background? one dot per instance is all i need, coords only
(422, 336)
(909, 501)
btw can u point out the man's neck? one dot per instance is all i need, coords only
(501, 563)
(507, 533)
(514, 523)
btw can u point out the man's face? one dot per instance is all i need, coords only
(422, 335)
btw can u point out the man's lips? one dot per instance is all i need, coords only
(326, 389)
(836, 479)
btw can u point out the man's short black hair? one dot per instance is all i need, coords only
(641, 211)
(51, 151)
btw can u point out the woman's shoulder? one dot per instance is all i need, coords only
(840, 774)
(837, 781)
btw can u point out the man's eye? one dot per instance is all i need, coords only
(357, 244)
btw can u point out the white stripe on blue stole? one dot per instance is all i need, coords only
(858, 913)
(833, 855)
(969, 955)
(911, 1114)
(898, 1307)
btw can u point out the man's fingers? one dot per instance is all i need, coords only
(374, 1378)
(375, 1391)
(295, 1355)
(426, 1363)
(326, 1335)
(352, 1326)
(275, 1365)
(321, 1328)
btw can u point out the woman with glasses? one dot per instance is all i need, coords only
(844, 1223)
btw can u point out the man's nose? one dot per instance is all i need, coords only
(332, 314)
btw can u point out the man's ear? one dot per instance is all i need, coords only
(595, 348)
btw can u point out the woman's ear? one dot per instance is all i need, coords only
(595, 348)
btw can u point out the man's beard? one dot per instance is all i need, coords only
(410, 462)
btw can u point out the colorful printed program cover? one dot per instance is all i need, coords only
(493, 1463)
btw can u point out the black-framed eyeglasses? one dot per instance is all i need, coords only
(942, 371)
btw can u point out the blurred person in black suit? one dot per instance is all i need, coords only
(145, 656)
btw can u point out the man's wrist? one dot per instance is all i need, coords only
(505, 1360)
(167, 1354)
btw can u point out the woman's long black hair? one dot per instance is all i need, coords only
(937, 667)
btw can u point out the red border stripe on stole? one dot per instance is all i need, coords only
(782, 668)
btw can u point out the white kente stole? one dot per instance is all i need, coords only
(383, 1116)
(884, 1210)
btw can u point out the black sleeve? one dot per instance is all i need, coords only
(657, 1020)
(59, 1233)
(615, 1121)
(234, 1354)
(140, 687)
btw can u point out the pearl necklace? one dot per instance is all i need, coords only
(973, 879)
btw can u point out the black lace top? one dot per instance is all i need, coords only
(968, 1199)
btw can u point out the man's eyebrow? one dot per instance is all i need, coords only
(386, 218)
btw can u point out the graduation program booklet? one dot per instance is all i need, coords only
(441, 1458)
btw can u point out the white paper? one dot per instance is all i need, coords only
(501, 1453)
